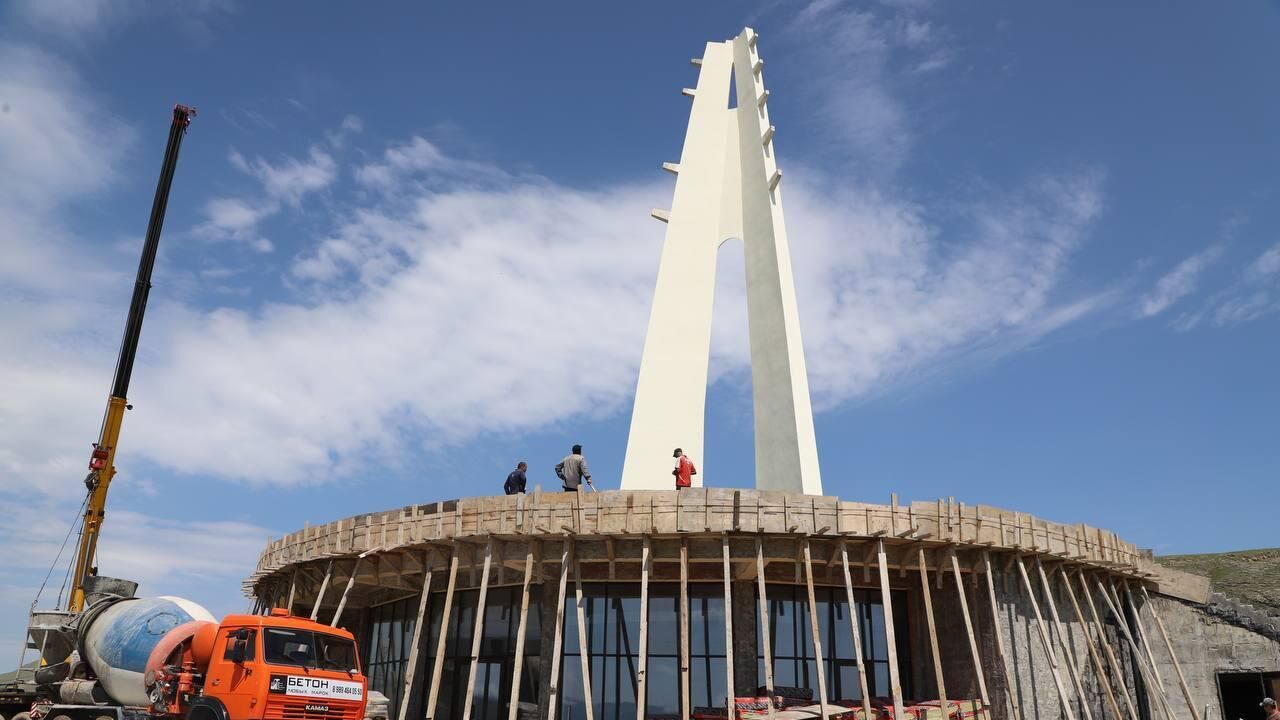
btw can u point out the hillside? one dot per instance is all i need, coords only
(1248, 576)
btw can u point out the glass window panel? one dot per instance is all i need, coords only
(570, 641)
(494, 639)
(626, 612)
(849, 686)
(662, 686)
(664, 621)
(707, 682)
(572, 704)
(706, 625)
(880, 686)
(596, 623)
(533, 625)
(842, 636)
(877, 646)
(782, 627)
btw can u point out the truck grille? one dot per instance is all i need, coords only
(310, 711)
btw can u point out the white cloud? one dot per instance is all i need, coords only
(72, 18)
(285, 182)
(290, 179)
(204, 560)
(1257, 293)
(852, 55)
(1178, 283)
(425, 161)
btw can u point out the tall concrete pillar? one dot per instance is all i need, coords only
(727, 185)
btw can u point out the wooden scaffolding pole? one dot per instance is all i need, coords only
(553, 694)
(324, 585)
(424, 601)
(293, 588)
(886, 598)
(642, 662)
(517, 670)
(973, 640)
(1182, 680)
(933, 634)
(351, 581)
(728, 627)
(438, 667)
(1068, 653)
(1141, 631)
(478, 632)
(1045, 641)
(685, 708)
(584, 657)
(1009, 688)
(1144, 669)
(854, 620)
(1114, 662)
(1094, 658)
(815, 630)
(766, 642)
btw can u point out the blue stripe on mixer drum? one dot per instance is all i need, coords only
(136, 630)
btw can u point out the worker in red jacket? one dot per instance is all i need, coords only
(684, 470)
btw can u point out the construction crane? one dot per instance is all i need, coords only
(102, 460)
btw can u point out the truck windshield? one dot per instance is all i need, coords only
(307, 649)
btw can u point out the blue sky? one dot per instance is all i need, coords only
(1037, 252)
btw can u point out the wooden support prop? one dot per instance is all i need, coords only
(434, 693)
(886, 598)
(765, 641)
(973, 640)
(1182, 680)
(1094, 658)
(684, 630)
(293, 588)
(583, 656)
(1045, 641)
(1142, 631)
(478, 633)
(933, 633)
(728, 625)
(1112, 661)
(517, 669)
(351, 581)
(1141, 661)
(814, 628)
(642, 662)
(324, 585)
(424, 602)
(1067, 654)
(857, 634)
(553, 694)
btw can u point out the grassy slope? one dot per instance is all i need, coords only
(1249, 576)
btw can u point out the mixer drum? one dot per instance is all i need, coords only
(120, 639)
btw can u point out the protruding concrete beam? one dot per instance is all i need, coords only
(696, 61)
(688, 92)
(755, 69)
(673, 168)
(763, 99)
(658, 214)
(774, 180)
(767, 137)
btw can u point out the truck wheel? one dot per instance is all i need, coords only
(21, 716)
(61, 717)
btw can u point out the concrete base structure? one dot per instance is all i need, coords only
(700, 559)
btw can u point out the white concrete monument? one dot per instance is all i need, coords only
(727, 186)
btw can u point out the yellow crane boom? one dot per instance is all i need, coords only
(102, 461)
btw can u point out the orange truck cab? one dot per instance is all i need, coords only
(261, 667)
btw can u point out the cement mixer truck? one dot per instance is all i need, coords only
(165, 657)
